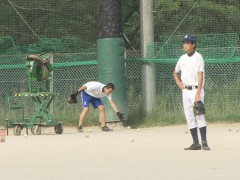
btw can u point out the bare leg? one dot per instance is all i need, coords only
(102, 115)
(83, 115)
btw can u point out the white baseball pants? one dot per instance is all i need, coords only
(188, 103)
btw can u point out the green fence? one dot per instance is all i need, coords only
(70, 31)
(222, 86)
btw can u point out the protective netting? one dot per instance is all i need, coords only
(72, 26)
(69, 30)
(47, 26)
(211, 46)
(195, 16)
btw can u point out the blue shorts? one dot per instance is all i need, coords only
(87, 100)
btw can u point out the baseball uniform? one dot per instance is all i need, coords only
(190, 65)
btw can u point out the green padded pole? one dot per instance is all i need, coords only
(111, 68)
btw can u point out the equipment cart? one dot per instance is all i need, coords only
(37, 101)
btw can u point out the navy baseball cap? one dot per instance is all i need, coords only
(189, 38)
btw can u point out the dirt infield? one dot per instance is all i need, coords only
(124, 154)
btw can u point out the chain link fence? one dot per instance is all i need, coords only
(70, 72)
(70, 31)
(222, 84)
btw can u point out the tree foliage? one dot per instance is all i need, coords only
(28, 21)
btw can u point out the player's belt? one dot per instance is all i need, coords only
(191, 87)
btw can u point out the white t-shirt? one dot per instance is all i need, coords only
(95, 88)
(190, 66)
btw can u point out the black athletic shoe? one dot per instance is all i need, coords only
(205, 146)
(194, 147)
(79, 129)
(105, 128)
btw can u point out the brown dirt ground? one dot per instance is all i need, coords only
(148, 154)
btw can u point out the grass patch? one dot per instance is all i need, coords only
(222, 106)
(69, 115)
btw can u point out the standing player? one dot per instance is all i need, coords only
(91, 93)
(191, 66)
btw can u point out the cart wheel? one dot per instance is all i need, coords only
(17, 130)
(58, 129)
(36, 130)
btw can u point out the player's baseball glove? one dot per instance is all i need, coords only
(120, 116)
(72, 98)
(199, 108)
